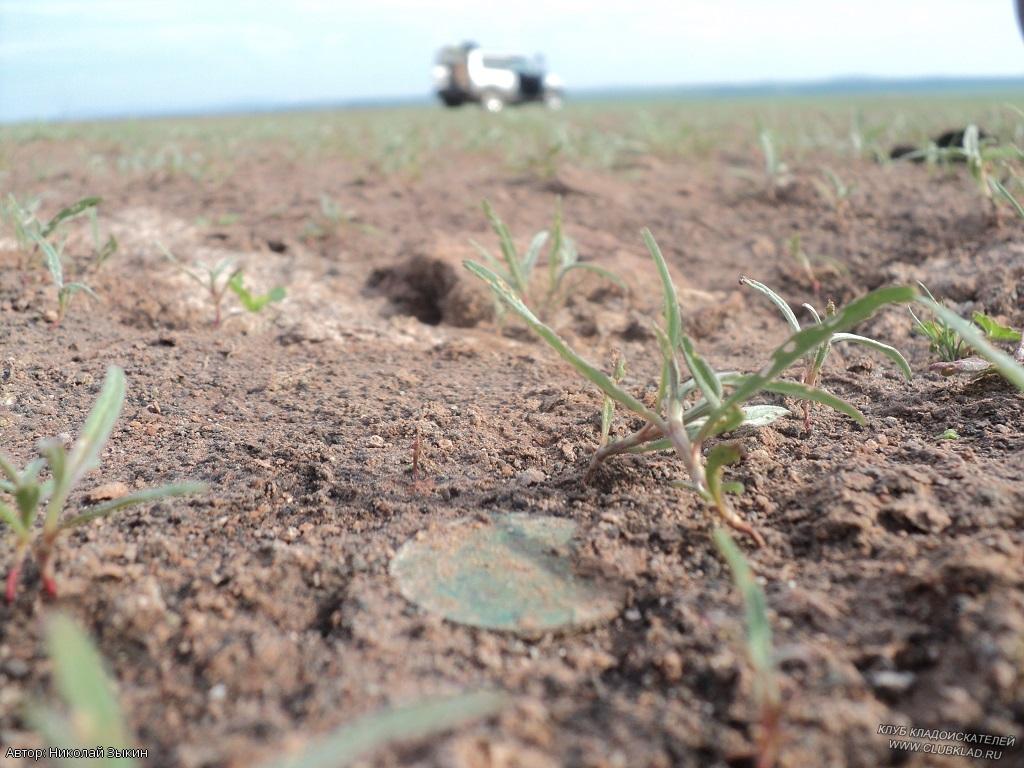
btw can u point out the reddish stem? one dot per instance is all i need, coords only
(12, 582)
(50, 586)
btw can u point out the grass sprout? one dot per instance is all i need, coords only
(1001, 192)
(252, 302)
(29, 496)
(54, 263)
(815, 361)
(690, 412)
(813, 267)
(759, 649)
(977, 335)
(982, 158)
(221, 278)
(84, 205)
(836, 193)
(90, 717)
(562, 260)
(776, 171)
(215, 280)
(414, 721)
(20, 218)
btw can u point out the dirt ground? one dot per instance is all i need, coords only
(242, 622)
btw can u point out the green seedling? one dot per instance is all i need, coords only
(776, 172)
(221, 278)
(29, 231)
(102, 250)
(815, 361)
(813, 267)
(977, 336)
(994, 330)
(65, 291)
(688, 413)
(20, 218)
(1001, 192)
(31, 496)
(332, 218)
(982, 159)
(215, 280)
(90, 717)
(408, 723)
(866, 141)
(253, 303)
(608, 406)
(760, 653)
(943, 340)
(516, 271)
(836, 193)
(949, 434)
(84, 205)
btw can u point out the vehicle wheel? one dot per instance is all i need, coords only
(492, 102)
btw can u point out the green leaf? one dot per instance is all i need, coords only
(778, 301)
(508, 249)
(533, 252)
(10, 517)
(53, 262)
(403, 724)
(994, 330)
(703, 374)
(109, 249)
(803, 392)
(673, 322)
(607, 275)
(1011, 370)
(130, 500)
(489, 258)
(1003, 192)
(799, 344)
(70, 212)
(586, 369)
(762, 415)
(99, 424)
(891, 352)
(719, 457)
(8, 468)
(70, 289)
(81, 681)
(721, 421)
(608, 405)
(754, 416)
(759, 631)
(26, 497)
(249, 301)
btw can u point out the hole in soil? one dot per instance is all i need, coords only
(430, 290)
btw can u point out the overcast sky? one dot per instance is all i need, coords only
(77, 58)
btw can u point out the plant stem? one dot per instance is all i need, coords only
(15, 573)
(642, 435)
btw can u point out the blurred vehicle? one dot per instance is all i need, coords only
(468, 73)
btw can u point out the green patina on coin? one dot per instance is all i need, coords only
(514, 573)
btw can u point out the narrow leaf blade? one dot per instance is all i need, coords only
(891, 352)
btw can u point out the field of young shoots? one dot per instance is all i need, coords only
(736, 394)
